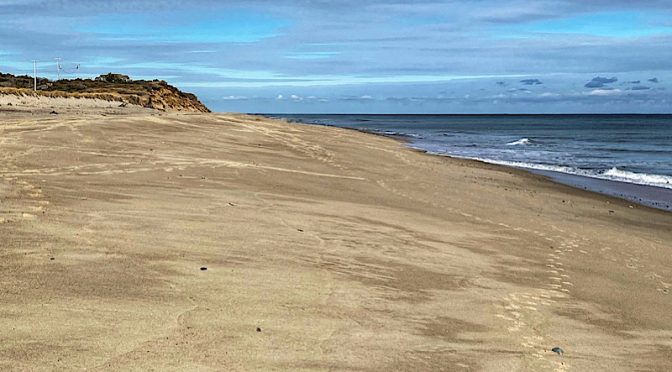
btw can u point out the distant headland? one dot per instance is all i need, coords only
(154, 94)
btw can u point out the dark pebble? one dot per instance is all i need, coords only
(258, 329)
(203, 268)
(299, 230)
(51, 259)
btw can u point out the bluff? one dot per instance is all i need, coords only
(154, 94)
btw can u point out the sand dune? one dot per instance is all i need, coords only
(19, 105)
(325, 249)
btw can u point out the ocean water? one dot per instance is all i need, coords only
(620, 149)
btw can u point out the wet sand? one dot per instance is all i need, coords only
(325, 249)
(656, 197)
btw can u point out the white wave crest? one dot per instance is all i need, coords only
(613, 174)
(520, 142)
(639, 178)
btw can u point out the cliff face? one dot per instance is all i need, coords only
(155, 94)
(165, 97)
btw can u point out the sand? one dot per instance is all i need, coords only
(13, 105)
(325, 249)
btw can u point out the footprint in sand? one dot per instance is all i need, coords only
(558, 281)
(522, 312)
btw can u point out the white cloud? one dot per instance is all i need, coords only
(604, 92)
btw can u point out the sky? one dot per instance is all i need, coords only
(320, 56)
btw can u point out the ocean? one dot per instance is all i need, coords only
(629, 156)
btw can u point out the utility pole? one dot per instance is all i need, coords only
(35, 75)
(58, 67)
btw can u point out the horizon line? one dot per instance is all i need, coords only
(470, 114)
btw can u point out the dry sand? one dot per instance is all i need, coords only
(347, 250)
(14, 105)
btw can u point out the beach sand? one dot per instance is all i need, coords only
(20, 105)
(325, 249)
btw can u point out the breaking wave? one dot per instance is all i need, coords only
(520, 142)
(613, 174)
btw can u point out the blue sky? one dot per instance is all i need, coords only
(457, 56)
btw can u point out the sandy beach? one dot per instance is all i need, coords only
(154, 241)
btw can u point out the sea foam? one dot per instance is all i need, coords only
(639, 178)
(613, 174)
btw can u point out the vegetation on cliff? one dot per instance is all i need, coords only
(155, 94)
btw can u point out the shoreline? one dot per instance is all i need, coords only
(616, 190)
(619, 190)
(541, 176)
